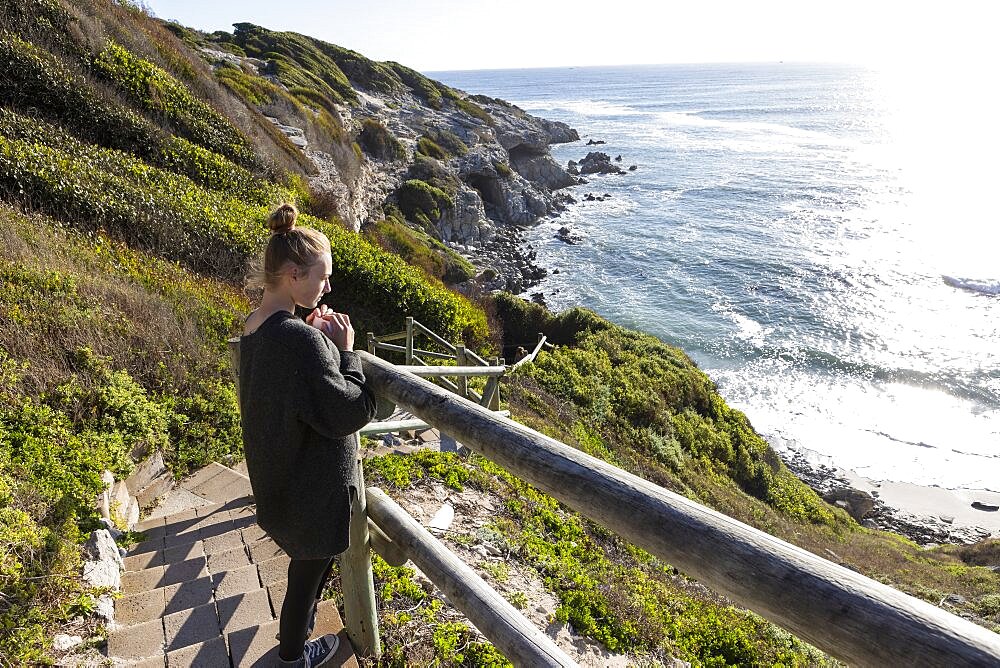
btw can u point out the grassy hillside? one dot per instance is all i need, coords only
(134, 182)
(132, 207)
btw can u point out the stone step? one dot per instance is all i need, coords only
(241, 628)
(257, 646)
(206, 585)
(218, 483)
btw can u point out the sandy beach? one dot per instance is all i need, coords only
(935, 501)
(926, 514)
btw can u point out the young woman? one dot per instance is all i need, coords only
(302, 397)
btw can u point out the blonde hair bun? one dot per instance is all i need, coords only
(282, 219)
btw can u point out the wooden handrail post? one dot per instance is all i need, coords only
(463, 381)
(409, 340)
(357, 581)
(371, 343)
(494, 404)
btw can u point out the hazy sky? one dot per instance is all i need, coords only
(465, 34)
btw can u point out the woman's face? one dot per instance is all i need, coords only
(311, 283)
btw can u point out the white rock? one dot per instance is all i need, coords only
(493, 550)
(102, 547)
(102, 574)
(105, 608)
(120, 498)
(62, 642)
(442, 518)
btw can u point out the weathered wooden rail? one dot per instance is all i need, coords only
(516, 637)
(467, 362)
(848, 615)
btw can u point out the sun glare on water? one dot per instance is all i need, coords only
(942, 136)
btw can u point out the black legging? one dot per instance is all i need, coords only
(306, 579)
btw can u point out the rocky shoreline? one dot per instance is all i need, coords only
(862, 500)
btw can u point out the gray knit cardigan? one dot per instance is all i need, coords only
(301, 400)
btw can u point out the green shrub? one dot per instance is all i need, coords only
(427, 146)
(158, 92)
(173, 154)
(147, 207)
(315, 99)
(432, 172)
(36, 80)
(376, 140)
(654, 398)
(426, 89)
(255, 90)
(401, 471)
(466, 105)
(296, 60)
(421, 250)
(448, 141)
(361, 71)
(41, 20)
(204, 426)
(207, 231)
(383, 289)
(39, 567)
(420, 200)
(522, 320)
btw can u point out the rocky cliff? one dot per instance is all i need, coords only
(469, 170)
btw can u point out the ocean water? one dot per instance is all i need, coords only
(820, 239)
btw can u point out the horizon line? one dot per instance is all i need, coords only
(673, 64)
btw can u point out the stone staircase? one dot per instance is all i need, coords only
(205, 587)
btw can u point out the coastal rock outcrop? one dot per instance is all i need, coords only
(362, 132)
(466, 224)
(598, 162)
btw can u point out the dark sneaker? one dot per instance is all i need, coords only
(316, 652)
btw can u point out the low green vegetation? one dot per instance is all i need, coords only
(629, 399)
(426, 89)
(408, 611)
(209, 231)
(423, 203)
(206, 169)
(448, 140)
(158, 92)
(469, 107)
(377, 141)
(630, 604)
(427, 146)
(441, 144)
(421, 250)
(294, 59)
(631, 388)
(105, 354)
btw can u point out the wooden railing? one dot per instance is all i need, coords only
(467, 362)
(848, 615)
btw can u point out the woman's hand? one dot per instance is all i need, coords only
(337, 326)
